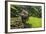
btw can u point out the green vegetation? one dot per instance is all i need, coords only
(34, 11)
(34, 16)
(36, 22)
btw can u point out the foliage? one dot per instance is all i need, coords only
(32, 10)
(34, 13)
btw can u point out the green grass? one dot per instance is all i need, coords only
(36, 22)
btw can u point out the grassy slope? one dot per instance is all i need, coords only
(36, 22)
